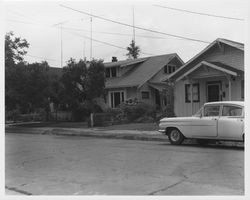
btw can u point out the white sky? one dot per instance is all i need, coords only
(44, 39)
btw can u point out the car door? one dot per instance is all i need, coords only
(206, 125)
(231, 122)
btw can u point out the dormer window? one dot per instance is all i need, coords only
(107, 72)
(168, 69)
(111, 72)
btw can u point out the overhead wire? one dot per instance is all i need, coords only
(200, 13)
(137, 27)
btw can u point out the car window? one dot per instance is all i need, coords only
(198, 113)
(231, 111)
(211, 111)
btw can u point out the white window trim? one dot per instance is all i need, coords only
(113, 91)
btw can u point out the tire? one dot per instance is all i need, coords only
(175, 136)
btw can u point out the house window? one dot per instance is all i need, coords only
(116, 98)
(168, 69)
(242, 90)
(107, 72)
(196, 93)
(145, 95)
(113, 72)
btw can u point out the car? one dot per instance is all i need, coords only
(223, 120)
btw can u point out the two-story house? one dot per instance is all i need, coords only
(140, 79)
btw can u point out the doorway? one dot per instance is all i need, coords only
(213, 91)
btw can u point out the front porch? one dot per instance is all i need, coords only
(208, 82)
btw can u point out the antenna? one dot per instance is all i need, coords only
(61, 23)
(90, 38)
(133, 24)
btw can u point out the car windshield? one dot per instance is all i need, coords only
(198, 113)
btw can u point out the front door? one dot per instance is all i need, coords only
(213, 91)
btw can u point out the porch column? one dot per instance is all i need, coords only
(229, 89)
(191, 88)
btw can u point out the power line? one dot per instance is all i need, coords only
(85, 36)
(106, 43)
(199, 13)
(79, 29)
(141, 28)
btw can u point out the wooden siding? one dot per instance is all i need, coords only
(184, 109)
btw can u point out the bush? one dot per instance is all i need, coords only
(167, 112)
(13, 115)
(83, 110)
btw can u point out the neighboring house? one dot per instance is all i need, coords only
(215, 74)
(140, 79)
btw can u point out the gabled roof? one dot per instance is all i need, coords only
(215, 65)
(124, 62)
(185, 68)
(145, 70)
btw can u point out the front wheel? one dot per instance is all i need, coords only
(175, 136)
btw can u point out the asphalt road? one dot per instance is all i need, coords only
(64, 165)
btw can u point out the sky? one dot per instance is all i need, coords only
(38, 22)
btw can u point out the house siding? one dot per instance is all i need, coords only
(184, 109)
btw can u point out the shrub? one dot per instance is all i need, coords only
(133, 112)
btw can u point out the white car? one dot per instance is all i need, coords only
(222, 120)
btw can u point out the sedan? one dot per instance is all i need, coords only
(222, 120)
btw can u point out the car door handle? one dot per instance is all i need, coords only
(215, 119)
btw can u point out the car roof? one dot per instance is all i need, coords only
(240, 103)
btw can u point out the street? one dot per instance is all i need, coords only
(67, 165)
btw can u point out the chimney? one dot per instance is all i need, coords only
(114, 59)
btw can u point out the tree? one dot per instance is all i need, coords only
(133, 50)
(81, 85)
(14, 49)
(95, 80)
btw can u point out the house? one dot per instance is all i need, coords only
(140, 79)
(214, 74)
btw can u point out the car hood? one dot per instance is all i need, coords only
(176, 119)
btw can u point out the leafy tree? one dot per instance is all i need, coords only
(14, 49)
(95, 79)
(81, 85)
(133, 50)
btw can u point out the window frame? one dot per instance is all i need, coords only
(169, 68)
(231, 116)
(219, 112)
(145, 92)
(186, 92)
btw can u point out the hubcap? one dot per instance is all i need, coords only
(175, 135)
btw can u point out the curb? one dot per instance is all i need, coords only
(119, 134)
(86, 133)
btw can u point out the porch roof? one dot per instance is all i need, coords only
(160, 86)
(215, 65)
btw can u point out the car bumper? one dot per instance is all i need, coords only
(162, 131)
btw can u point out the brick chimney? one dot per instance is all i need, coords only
(114, 59)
